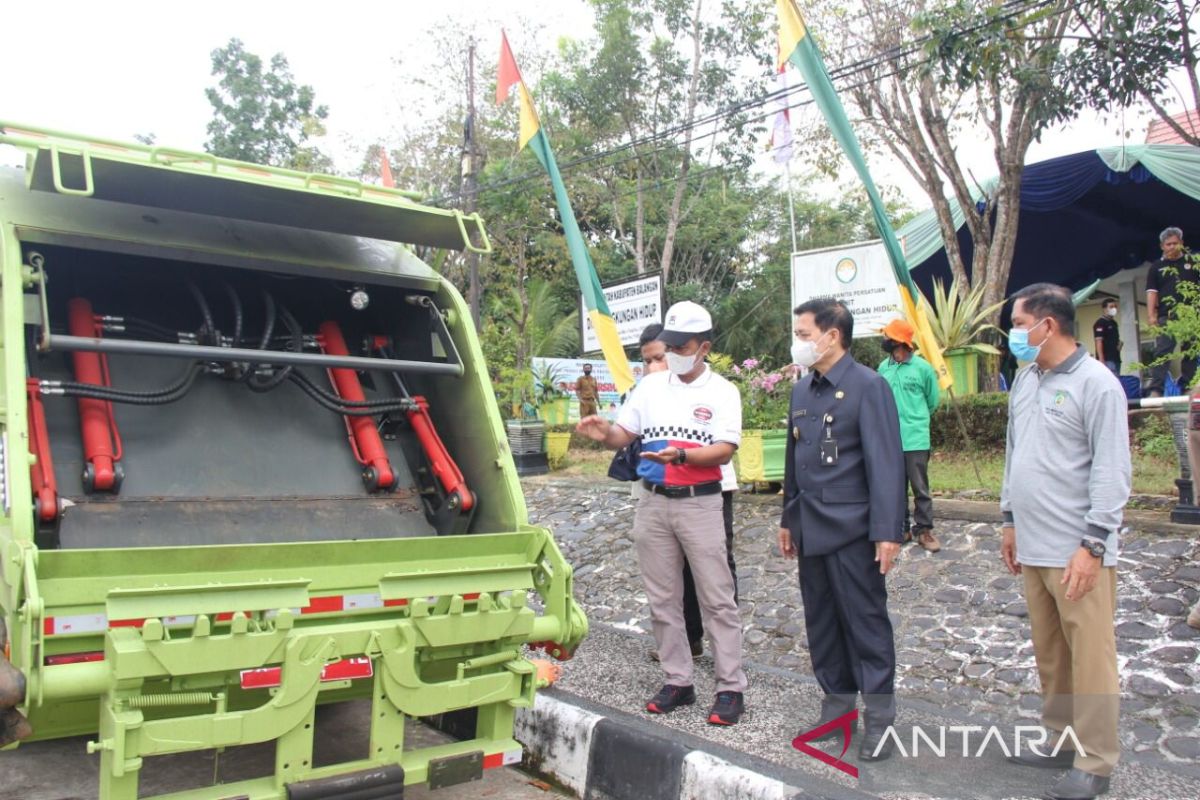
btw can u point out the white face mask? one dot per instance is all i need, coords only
(1111, 311)
(680, 364)
(805, 353)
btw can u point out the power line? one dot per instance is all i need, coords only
(1019, 7)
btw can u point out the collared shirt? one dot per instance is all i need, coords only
(586, 389)
(1164, 278)
(915, 387)
(666, 412)
(1067, 470)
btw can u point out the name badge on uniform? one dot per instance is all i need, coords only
(829, 448)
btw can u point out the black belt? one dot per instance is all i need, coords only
(676, 492)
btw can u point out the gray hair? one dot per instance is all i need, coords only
(1168, 233)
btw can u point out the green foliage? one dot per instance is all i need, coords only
(547, 378)
(765, 393)
(260, 114)
(1114, 52)
(1152, 435)
(958, 319)
(984, 415)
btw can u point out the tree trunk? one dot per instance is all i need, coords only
(673, 216)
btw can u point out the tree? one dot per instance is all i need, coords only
(1125, 52)
(657, 68)
(916, 113)
(261, 115)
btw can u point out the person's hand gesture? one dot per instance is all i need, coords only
(665, 456)
(595, 427)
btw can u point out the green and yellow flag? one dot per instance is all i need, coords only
(797, 46)
(508, 76)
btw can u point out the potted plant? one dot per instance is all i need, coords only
(558, 442)
(957, 323)
(553, 403)
(765, 397)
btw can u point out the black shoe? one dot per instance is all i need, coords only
(670, 697)
(829, 712)
(728, 709)
(875, 747)
(1078, 785)
(1029, 758)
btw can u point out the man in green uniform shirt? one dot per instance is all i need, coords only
(915, 387)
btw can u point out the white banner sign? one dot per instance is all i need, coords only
(566, 371)
(634, 305)
(859, 275)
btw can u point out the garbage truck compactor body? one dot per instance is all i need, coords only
(252, 464)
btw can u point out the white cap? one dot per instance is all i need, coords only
(684, 321)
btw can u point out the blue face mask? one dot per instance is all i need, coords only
(1019, 346)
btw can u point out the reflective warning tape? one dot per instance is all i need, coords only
(348, 669)
(505, 759)
(98, 623)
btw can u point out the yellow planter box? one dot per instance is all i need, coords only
(760, 457)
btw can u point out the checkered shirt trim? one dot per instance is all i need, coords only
(675, 432)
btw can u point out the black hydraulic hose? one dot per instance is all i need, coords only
(315, 394)
(98, 393)
(384, 403)
(209, 328)
(237, 313)
(297, 346)
(268, 331)
(185, 380)
(152, 328)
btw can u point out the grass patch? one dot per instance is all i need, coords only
(951, 472)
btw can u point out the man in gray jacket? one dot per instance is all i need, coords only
(1066, 480)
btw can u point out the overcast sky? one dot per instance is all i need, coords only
(122, 68)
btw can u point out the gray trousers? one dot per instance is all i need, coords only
(916, 466)
(665, 531)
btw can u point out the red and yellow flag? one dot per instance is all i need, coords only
(508, 76)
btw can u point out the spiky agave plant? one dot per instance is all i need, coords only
(958, 321)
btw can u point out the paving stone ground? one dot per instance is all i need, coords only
(962, 633)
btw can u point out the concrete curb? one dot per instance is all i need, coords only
(606, 758)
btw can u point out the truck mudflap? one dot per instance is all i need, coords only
(178, 673)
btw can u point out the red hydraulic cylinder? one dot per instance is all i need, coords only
(443, 466)
(45, 488)
(100, 470)
(365, 438)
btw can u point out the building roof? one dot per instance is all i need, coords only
(1160, 132)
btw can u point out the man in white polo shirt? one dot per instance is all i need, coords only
(690, 421)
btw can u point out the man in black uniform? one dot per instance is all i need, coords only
(1108, 337)
(1162, 296)
(843, 512)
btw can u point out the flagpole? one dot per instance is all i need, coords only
(787, 173)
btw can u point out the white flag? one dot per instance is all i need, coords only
(781, 133)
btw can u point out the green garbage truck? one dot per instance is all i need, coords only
(251, 464)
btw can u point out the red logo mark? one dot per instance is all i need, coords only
(845, 723)
(702, 413)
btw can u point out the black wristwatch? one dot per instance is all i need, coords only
(1095, 549)
(681, 456)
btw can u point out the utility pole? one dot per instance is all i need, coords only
(470, 183)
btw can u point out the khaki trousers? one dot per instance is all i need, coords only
(665, 530)
(1074, 642)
